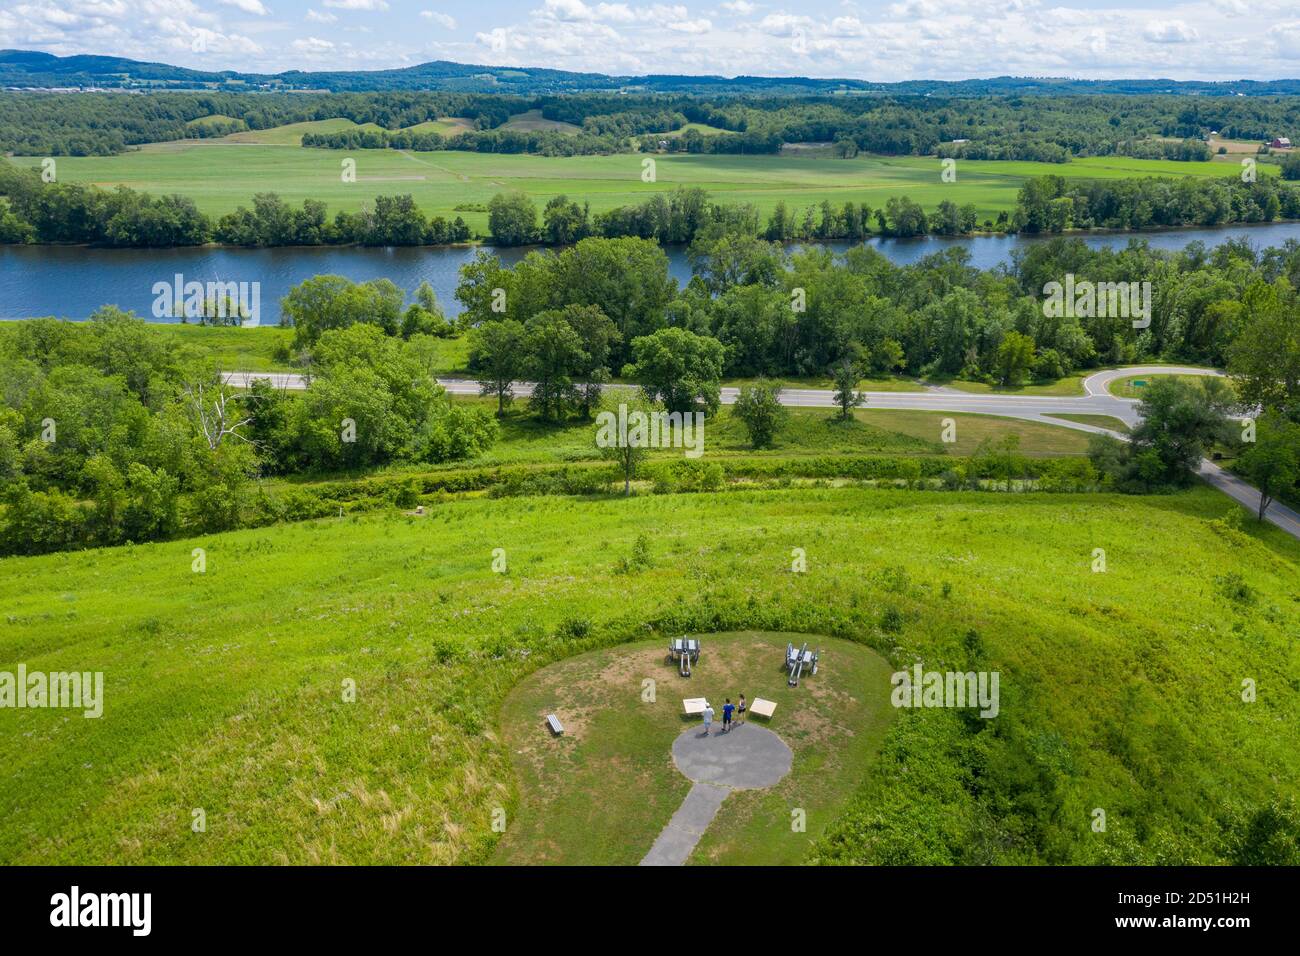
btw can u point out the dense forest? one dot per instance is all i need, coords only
(111, 433)
(1048, 128)
(938, 318)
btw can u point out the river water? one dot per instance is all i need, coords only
(73, 281)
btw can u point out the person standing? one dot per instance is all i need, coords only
(708, 718)
(727, 710)
(740, 711)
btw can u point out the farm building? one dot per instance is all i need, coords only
(1280, 142)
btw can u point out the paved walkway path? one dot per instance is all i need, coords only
(747, 757)
(688, 824)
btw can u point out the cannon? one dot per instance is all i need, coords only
(684, 651)
(796, 661)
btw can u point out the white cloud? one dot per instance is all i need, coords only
(569, 10)
(617, 12)
(254, 7)
(690, 26)
(782, 24)
(889, 40)
(312, 45)
(1169, 31)
(1285, 38)
(498, 40)
(442, 19)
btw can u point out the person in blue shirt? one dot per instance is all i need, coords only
(727, 710)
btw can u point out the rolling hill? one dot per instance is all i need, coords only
(31, 69)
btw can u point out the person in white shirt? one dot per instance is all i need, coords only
(708, 718)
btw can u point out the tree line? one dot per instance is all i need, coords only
(104, 124)
(1044, 204)
(1055, 204)
(542, 142)
(781, 313)
(1051, 128)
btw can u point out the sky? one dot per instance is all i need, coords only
(882, 40)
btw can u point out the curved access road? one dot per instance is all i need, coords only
(1096, 400)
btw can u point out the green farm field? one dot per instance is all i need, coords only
(227, 691)
(224, 173)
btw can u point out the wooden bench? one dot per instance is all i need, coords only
(763, 708)
(694, 705)
(553, 722)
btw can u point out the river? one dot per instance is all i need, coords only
(73, 281)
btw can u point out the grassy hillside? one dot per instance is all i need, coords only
(291, 135)
(533, 121)
(704, 129)
(441, 181)
(447, 126)
(225, 690)
(215, 119)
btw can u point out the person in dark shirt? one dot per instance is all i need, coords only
(727, 710)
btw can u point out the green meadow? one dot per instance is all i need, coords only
(523, 439)
(340, 690)
(221, 174)
(231, 348)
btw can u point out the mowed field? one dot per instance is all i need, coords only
(229, 691)
(222, 174)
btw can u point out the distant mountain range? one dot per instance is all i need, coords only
(29, 69)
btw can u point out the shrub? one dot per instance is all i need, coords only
(760, 410)
(405, 496)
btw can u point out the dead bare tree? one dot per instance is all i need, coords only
(213, 414)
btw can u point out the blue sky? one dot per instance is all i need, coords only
(871, 39)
